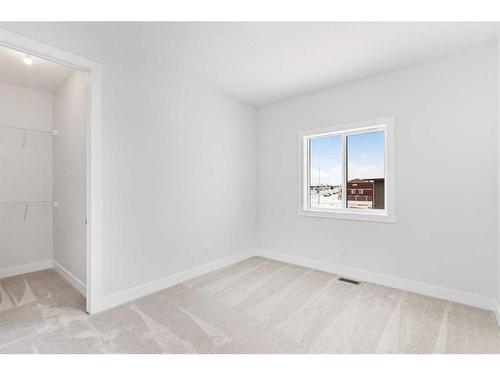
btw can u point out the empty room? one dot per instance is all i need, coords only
(249, 188)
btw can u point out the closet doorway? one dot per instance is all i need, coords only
(49, 172)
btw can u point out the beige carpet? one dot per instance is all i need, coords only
(256, 306)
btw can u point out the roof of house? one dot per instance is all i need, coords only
(359, 180)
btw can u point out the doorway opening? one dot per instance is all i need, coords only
(50, 165)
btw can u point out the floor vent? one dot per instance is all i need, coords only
(349, 281)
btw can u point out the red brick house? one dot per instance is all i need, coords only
(366, 193)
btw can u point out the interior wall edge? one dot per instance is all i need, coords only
(25, 268)
(72, 279)
(497, 306)
(430, 290)
(138, 291)
(496, 310)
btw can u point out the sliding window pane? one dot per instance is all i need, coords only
(365, 170)
(325, 172)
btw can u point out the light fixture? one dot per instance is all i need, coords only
(27, 60)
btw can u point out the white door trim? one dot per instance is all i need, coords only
(94, 152)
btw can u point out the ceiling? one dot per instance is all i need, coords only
(260, 63)
(42, 75)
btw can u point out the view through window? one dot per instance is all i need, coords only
(346, 170)
(326, 172)
(365, 171)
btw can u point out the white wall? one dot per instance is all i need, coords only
(179, 166)
(446, 174)
(178, 176)
(25, 175)
(70, 183)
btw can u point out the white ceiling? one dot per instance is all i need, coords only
(43, 75)
(260, 63)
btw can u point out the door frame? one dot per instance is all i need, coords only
(94, 152)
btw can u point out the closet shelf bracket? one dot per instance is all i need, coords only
(26, 205)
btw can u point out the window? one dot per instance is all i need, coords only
(347, 171)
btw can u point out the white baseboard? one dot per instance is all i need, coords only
(466, 298)
(430, 290)
(25, 268)
(154, 286)
(72, 279)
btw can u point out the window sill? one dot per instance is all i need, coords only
(382, 217)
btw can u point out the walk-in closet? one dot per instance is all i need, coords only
(43, 178)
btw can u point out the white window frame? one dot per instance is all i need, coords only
(386, 215)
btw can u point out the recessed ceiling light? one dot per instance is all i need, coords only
(27, 60)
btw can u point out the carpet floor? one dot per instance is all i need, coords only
(255, 306)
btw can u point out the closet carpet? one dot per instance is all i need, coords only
(255, 306)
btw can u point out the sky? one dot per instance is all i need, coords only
(365, 158)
